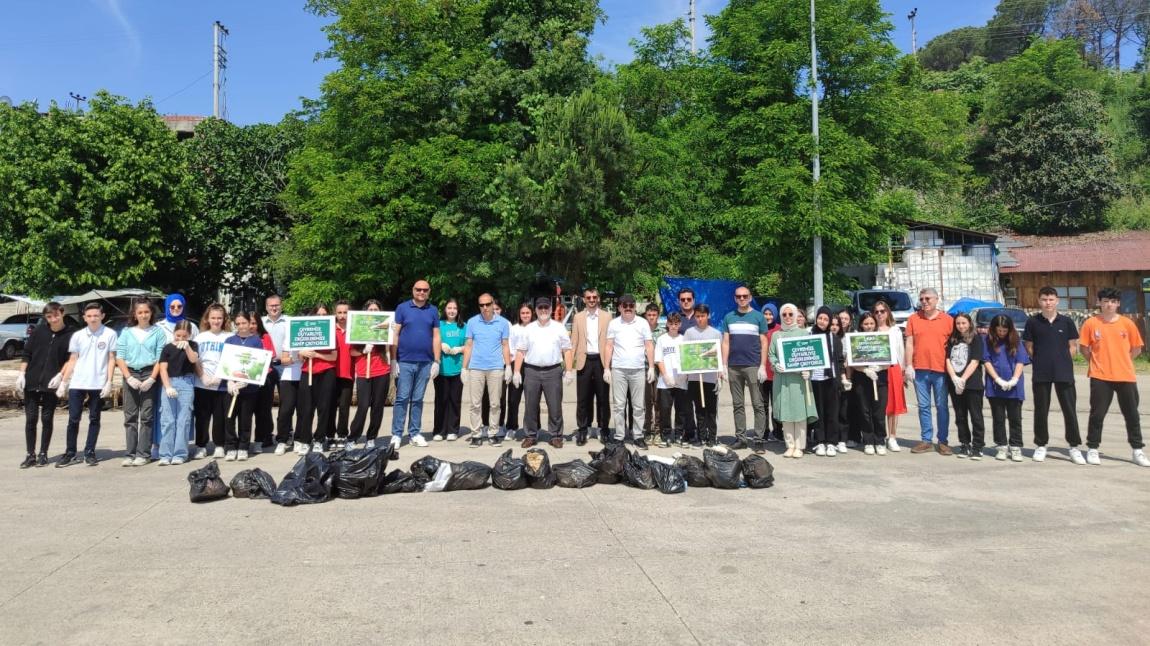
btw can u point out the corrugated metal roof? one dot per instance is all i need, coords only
(1105, 251)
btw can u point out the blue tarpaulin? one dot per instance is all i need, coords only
(964, 305)
(719, 295)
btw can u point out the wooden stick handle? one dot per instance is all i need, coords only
(310, 372)
(232, 407)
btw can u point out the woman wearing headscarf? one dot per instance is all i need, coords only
(828, 433)
(175, 311)
(792, 406)
(771, 314)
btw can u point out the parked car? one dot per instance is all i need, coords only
(983, 315)
(900, 302)
(16, 329)
(10, 345)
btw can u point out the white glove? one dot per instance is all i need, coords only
(147, 384)
(720, 377)
(234, 387)
(463, 374)
(1002, 384)
(445, 348)
(517, 380)
(172, 393)
(181, 345)
(211, 381)
(958, 389)
(762, 374)
(61, 390)
(506, 374)
(959, 383)
(1012, 383)
(871, 373)
(569, 377)
(909, 373)
(55, 383)
(607, 375)
(806, 375)
(133, 383)
(20, 382)
(847, 385)
(434, 369)
(106, 390)
(651, 375)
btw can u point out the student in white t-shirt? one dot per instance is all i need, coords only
(629, 363)
(211, 397)
(87, 380)
(672, 386)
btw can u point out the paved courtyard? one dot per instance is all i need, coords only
(902, 549)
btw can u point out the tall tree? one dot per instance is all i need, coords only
(948, 51)
(1015, 24)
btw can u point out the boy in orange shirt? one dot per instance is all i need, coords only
(1110, 343)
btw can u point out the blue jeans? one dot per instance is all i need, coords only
(75, 409)
(926, 381)
(176, 418)
(410, 385)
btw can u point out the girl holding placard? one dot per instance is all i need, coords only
(896, 395)
(211, 398)
(372, 381)
(792, 406)
(869, 394)
(238, 426)
(316, 394)
(829, 439)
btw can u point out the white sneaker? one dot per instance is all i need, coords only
(230, 456)
(140, 461)
(880, 449)
(281, 448)
(418, 440)
(349, 445)
(1001, 453)
(127, 462)
(178, 461)
(317, 447)
(869, 450)
(218, 453)
(1140, 458)
(200, 454)
(1076, 455)
(842, 447)
(395, 442)
(1092, 457)
(892, 444)
(437, 438)
(164, 462)
(242, 455)
(821, 450)
(451, 437)
(1040, 454)
(831, 452)
(1016, 454)
(369, 445)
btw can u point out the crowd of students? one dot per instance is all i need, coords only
(626, 371)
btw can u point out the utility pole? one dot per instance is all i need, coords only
(692, 21)
(78, 99)
(219, 66)
(913, 33)
(816, 168)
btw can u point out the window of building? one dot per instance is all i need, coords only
(1129, 302)
(1074, 298)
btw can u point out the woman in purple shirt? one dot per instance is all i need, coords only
(1003, 359)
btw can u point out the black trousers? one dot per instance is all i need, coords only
(289, 396)
(827, 429)
(1004, 410)
(705, 402)
(539, 383)
(315, 400)
(448, 400)
(511, 411)
(370, 396)
(1066, 401)
(39, 405)
(768, 390)
(238, 427)
(871, 410)
(677, 400)
(210, 407)
(339, 423)
(1101, 394)
(850, 416)
(265, 422)
(968, 417)
(502, 407)
(592, 395)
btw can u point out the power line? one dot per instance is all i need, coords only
(185, 88)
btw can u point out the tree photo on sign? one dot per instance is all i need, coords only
(372, 328)
(247, 365)
(869, 349)
(697, 357)
(800, 353)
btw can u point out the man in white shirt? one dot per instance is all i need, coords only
(283, 377)
(542, 365)
(87, 378)
(629, 360)
(588, 335)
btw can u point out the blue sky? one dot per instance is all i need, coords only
(162, 49)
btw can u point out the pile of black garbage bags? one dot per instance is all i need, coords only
(362, 473)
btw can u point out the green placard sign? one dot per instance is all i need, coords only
(869, 349)
(697, 357)
(310, 333)
(369, 327)
(799, 353)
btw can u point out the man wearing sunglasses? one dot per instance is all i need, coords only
(542, 364)
(744, 346)
(487, 356)
(629, 364)
(926, 334)
(417, 348)
(687, 308)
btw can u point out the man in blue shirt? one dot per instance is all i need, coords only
(486, 361)
(416, 330)
(744, 346)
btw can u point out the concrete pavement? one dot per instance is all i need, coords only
(901, 549)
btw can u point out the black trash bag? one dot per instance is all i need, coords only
(537, 468)
(608, 463)
(668, 478)
(723, 469)
(312, 480)
(758, 473)
(426, 467)
(694, 470)
(207, 485)
(468, 475)
(253, 483)
(575, 474)
(400, 481)
(507, 473)
(361, 471)
(637, 472)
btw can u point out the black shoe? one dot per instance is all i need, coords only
(963, 451)
(640, 443)
(476, 441)
(581, 437)
(65, 460)
(496, 441)
(975, 454)
(739, 445)
(42, 460)
(90, 459)
(29, 461)
(759, 447)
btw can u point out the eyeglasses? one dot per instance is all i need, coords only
(926, 299)
(487, 304)
(175, 306)
(625, 306)
(879, 310)
(742, 295)
(590, 298)
(422, 289)
(788, 315)
(686, 299)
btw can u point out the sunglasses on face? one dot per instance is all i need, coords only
(487, 304)
(686, 299)
(626, 307)
(422, 289)
(925, 299)
(787, 315)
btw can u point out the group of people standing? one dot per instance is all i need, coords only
(626, 372)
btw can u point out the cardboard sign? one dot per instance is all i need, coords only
(869, 349)
(310, 333)
(798, 353)
(697, 357)
(372, 328)
(244, 364)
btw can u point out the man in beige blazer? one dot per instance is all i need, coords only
(589, 337)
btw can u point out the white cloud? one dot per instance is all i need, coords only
(116, 12)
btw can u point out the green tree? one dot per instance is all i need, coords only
(1015, 24)
(91, 200)
(948, 51)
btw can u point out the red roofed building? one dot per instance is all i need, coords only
(1077, 266)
